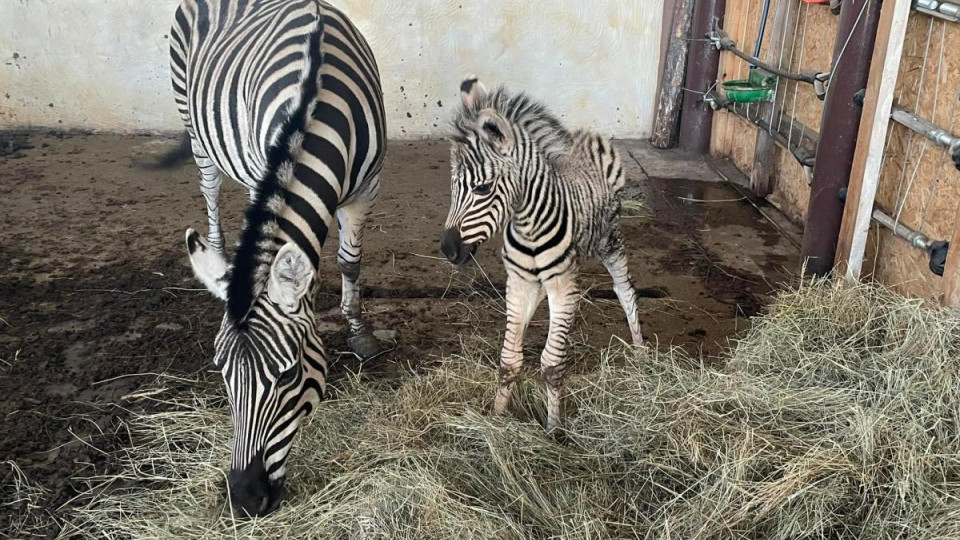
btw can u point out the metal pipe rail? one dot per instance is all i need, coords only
(805, 150)
(936, 249)
(721, 40)
(852, 59)
(943, 10)
(915, 238)
(703, 63)
(935, 133)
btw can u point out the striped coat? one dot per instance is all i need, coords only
(283, 96)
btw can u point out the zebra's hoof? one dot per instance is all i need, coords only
(367, 346)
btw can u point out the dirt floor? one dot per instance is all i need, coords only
(96, 293)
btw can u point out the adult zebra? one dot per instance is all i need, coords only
(556, 195)
(284, 96)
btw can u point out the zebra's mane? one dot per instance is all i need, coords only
(519, 109)
(256, 247)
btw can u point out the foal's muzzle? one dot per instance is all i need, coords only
(453, 247)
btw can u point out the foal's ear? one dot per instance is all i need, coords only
(208, 264)
(290, 277)
(495, 130)
(472, 91)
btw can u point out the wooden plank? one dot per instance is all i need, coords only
(763, 174)
(725, 125)
(951, 274)
(868, 159)
(668, 6)
(666, 126)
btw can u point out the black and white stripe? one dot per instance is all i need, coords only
(555, 194)
(284, 96)
(268, 397)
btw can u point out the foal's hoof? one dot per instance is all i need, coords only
(366, 346)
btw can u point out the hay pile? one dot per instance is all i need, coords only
(837, 416)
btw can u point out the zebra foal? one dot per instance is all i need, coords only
(284, 96)
(555, 194)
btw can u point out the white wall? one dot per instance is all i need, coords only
(102, 65)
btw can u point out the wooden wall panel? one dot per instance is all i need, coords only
(918, 182)
(735, 138)
(793, 192)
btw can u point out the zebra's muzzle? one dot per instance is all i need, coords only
(251, 491)
(453, 247)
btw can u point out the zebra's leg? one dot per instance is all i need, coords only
(352, 219)
(563, 298)
(523, 297)
(210, 181)
(615, 261)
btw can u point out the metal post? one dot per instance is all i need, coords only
(838, 136)
(703, 62)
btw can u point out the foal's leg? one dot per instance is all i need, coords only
(523, 297)
(615, 261)
(352, 219)
(210, 181)
(563, 297)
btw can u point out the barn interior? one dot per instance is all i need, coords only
(787, 161)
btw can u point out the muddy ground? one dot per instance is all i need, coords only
(97, 297)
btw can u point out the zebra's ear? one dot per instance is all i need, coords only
(208, 264)
(495, 130)
(290, 277)
(472, 91)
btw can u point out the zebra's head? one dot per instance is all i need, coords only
(484, 171)
(273, 365)
(501, 140)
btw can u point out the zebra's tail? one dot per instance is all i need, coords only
(171, 158)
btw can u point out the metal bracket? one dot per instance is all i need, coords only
(942, 10)
(710, 99)
(936, 249)
(821, 84)
(933, 132)
(938, 257)
(859, 97)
